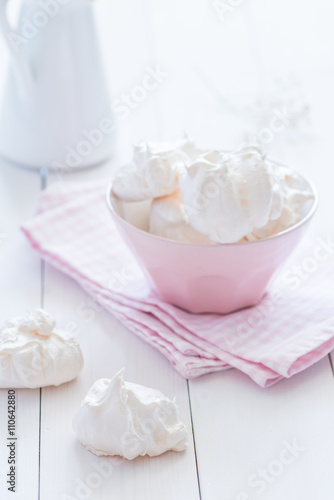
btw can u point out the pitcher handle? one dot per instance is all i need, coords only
(22, 67)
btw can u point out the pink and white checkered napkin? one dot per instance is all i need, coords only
(291, 329)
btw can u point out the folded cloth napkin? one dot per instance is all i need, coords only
(292, 328)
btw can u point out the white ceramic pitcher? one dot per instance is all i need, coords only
(55, 111)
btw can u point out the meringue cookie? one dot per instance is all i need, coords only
(34, 353)
(228, 195)
(297, 201)
(202, 196)
(121, 418)
(154, 170)
(168, 219)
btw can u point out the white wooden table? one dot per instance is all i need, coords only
(240, 432)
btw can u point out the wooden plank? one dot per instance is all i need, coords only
(241, 429)
(107, 347)
(19, 290)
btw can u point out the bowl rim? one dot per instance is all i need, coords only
(303, 221)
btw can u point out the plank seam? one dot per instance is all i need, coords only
(331, 363)
(44, 175)
(194, 441)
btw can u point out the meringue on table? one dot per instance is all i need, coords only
(129, 420)
(34, 353)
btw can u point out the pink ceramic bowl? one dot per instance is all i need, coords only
(209, 278)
